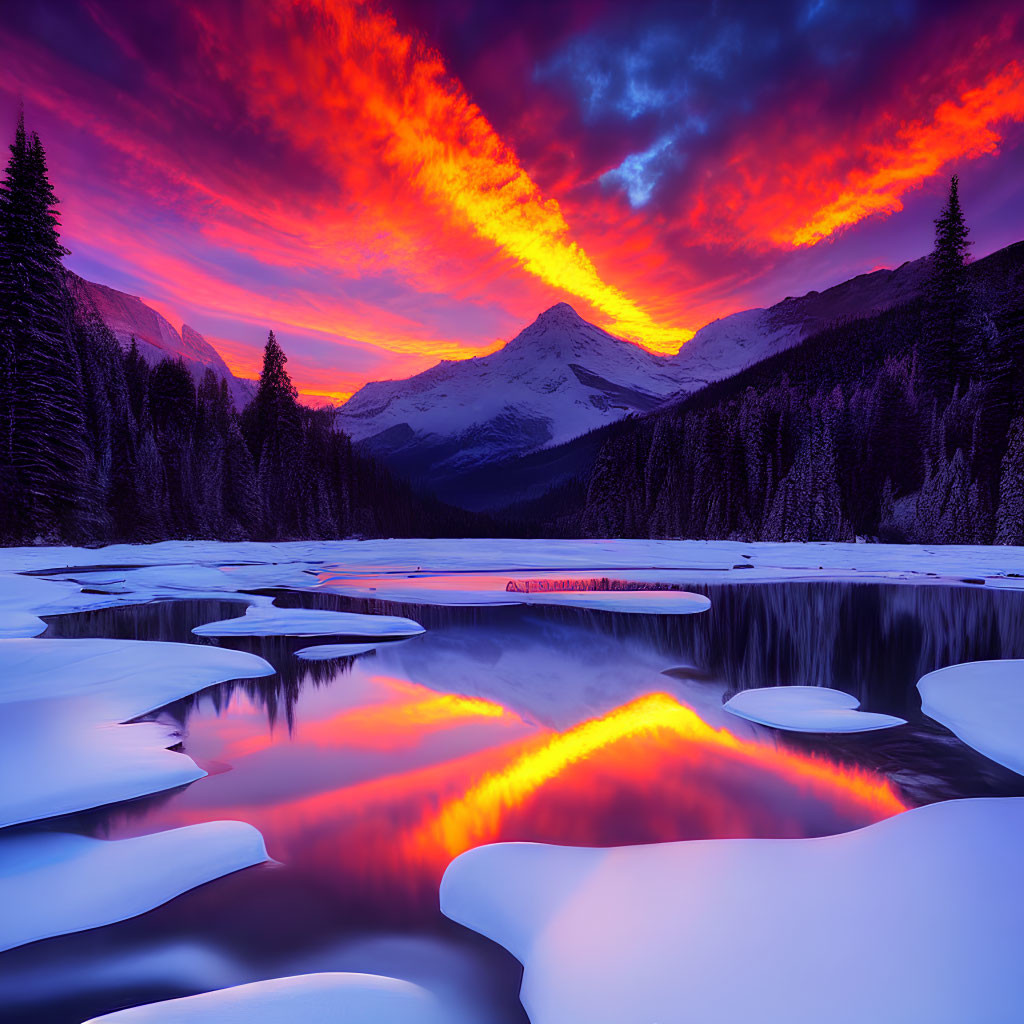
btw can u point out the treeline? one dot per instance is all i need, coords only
(96, 446)
(904, 426)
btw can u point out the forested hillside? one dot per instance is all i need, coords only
(96, 446)
(905, 426)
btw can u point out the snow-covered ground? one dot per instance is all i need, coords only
(251, 564)
(63, 748)
(807, 709)
(982, 702)
(52, 883)
(915, 918)
(62, 703)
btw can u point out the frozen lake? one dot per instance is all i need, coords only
(366, 774)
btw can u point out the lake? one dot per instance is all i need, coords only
(368, 774)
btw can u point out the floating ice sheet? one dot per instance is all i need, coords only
(491, 590)
(982, 702)
(269, 620)
(923, 908)
(807, 709)
(325, 652)
(62, 747)
(53, 883)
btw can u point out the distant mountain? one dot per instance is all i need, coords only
(127, 317)
(874, 426)
(456, 425)
(726, 346)
(557, 379)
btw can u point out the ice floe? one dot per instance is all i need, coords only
(62, 702)
(981, 702)
(127, 678)
(269, 620)
(24, 598)
(324, 652)
(53, 883)
(807, 709)
(915, 918)
(494, 590)
(311, 998)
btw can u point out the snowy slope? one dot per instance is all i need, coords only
(558, 378)
(562, 377)
(129, 317)
(726, 346)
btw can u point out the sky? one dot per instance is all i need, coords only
(390, 185)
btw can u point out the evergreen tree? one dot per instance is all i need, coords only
(950, 344)
(43, 454)
(273, 413)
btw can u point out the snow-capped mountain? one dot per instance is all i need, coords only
(726, 346)
(129, 317)
(558, 378)
(562, 377)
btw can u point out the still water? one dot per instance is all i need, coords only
(367, 775)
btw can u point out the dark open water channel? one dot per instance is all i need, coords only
(367, 775)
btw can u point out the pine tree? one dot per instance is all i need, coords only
(43, 450)
(273, 411)
(949, 342)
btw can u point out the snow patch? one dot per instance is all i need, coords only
(981, 702)
(924, 908)
(640, 602)
(269, 620)
(489, 590)
(54, 883)
(61, 705)
(807, 709)
(325, 652)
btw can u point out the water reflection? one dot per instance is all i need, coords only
(872, 640)
(367, 774)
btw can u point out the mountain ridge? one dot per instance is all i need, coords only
(562, 377)
(128, 316)
(559, 377)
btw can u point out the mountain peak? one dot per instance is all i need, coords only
(561, 312)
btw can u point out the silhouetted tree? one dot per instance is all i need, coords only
(42, 438)
(950, 345)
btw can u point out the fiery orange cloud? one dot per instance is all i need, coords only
(959, 129)
(817, 187)
(320, 170)
(395, 96)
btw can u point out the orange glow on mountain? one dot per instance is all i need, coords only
(475, 816)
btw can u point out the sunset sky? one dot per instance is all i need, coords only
(387, 185)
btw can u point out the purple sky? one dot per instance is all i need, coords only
(387, 186)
